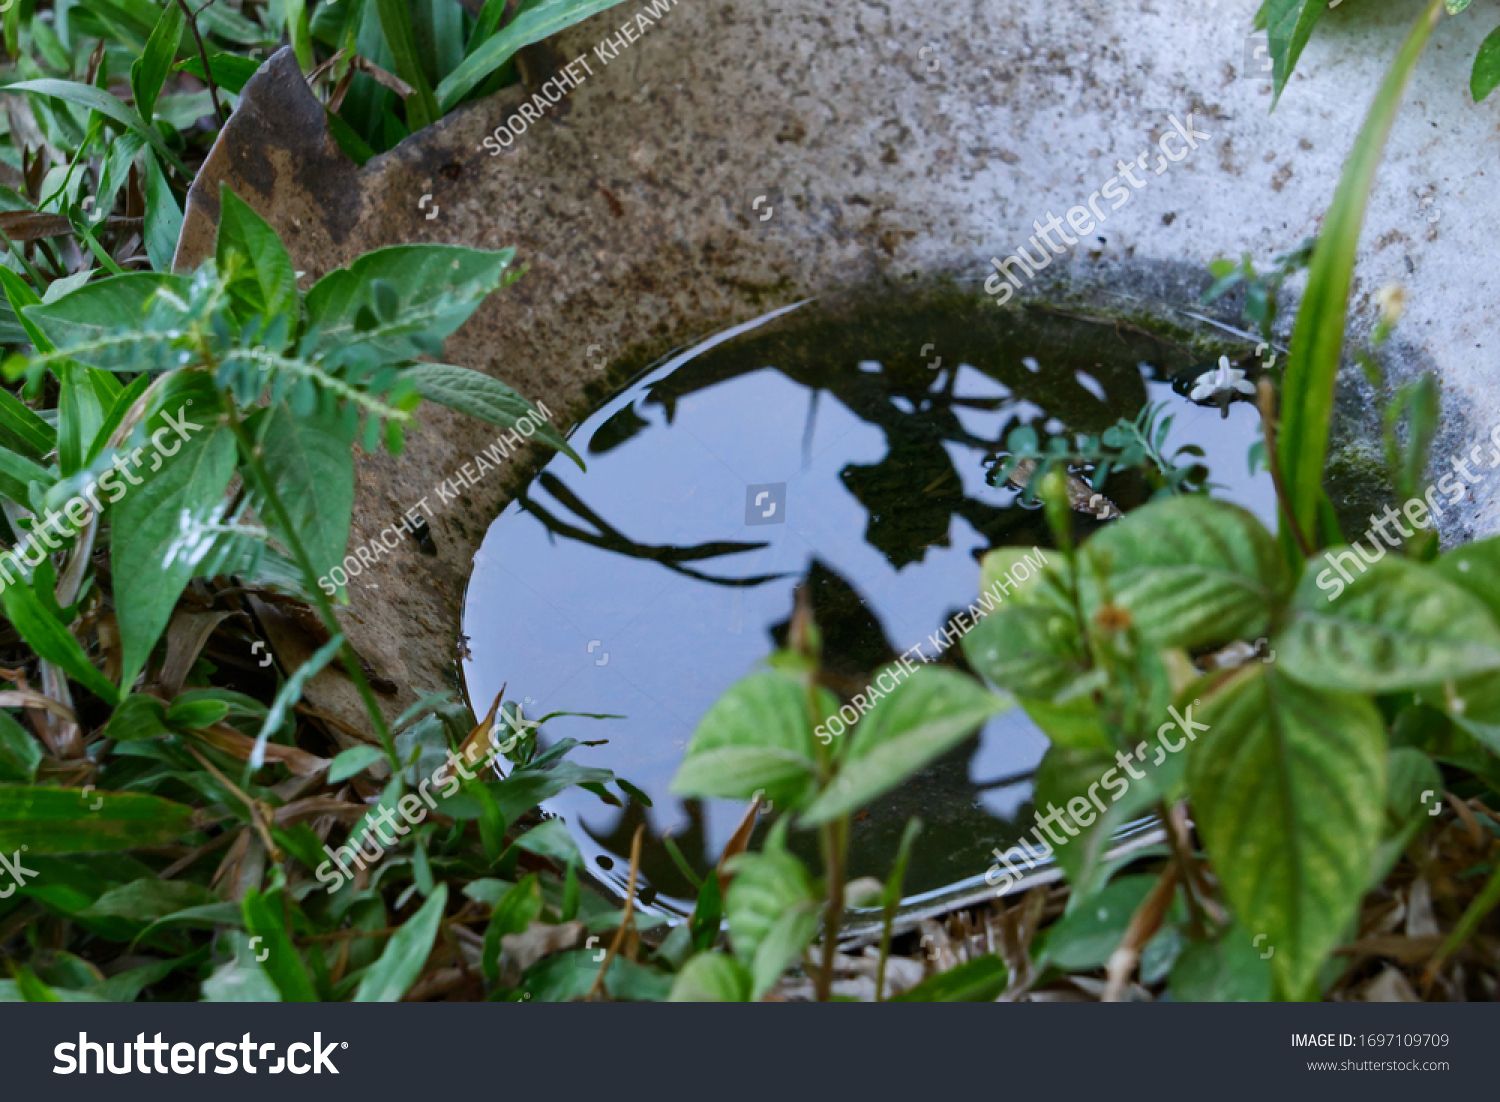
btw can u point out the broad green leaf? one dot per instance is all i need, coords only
(150, 70)
(1486, 74)
(1476, 568)
(534, 23)
(151, 558)
(921, 718)
(266, 923)
(552, 840)
(781, 947)
(116, 415)
(230, 71)
(711, 977)
(1288, 790)
(193, 714)
(479, 395)
(1318, 336)
(261, 279)
(1075, 723)
(1289, 24)
(757, 736)
(1031, 650)
(766, 886)
(437, 288)
(1233, 969)
(1397, 626)
(139, 716)
(52, 641)
(1010, 571)
(20, 754)
(1191, 571)
(94, 99)
(149, 899)
(516, 911)
(64, 820)
(406, 952)
(98, 309)
(353, 761)
(1092, 929)
(310, 461)
(980, 980)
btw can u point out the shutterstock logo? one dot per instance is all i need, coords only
(189, 1059)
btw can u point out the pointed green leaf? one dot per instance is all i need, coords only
(1288, 790)
(920, 719)
(406, 952)
(756, 736)
(64, 820)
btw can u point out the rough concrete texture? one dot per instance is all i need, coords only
(893, 143)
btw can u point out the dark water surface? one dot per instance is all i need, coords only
(648, 585)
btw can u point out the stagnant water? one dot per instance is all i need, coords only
(844, 446)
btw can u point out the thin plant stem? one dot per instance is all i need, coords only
(208, 74)
(835, 838)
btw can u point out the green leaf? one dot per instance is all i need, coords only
(1086, 936)
(261, 279)
(21, 430)
(980, 980)
(766, 886)
(534, 23)
(94, 99)
(98, 309)
(1070, 786)
(1229, 970)
(406, 952)
(711, 977)
(149, 899)
(1397, 626)
(922, 718)
(267, 926)
(1191, 571)
(708, 914)
(782, 945)
(395, 23)
(353, 761)
(33, 990)
(1318, 336)
(1486, 73)
(566, 976)
(1288, 790)
(52, 641)
(194, 714)
(756, 736)
(478, 395)
(1289, 24)
(17, 474)
(152, 562)
(439, 287)
(150, 70)
(163, 217)
(1031, 650)
(1476, 568)
(63, 820)
(231, 72)
(80, 412)
(139, 716)
(310, 461)
(514, 914)
(20, 754)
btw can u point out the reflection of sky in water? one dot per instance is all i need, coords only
(669, 645)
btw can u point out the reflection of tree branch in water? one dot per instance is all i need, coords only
(611, 539)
